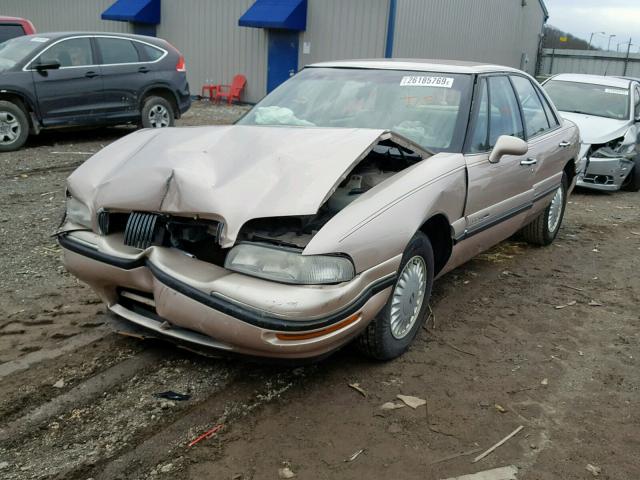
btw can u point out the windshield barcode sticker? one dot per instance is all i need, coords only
(616, 91)
(417, 81)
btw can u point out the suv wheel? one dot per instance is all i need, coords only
(14, 127)
(543, 230)
(394, 328)
(157, 112)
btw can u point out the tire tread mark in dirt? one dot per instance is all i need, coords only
(30, 359)
(80, 394)
(222, 406)
(65, 167)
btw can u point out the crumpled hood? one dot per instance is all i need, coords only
(596, 130)
(229, 173)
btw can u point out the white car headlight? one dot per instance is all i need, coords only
(615, 149)
(288, 266)
(78, 213)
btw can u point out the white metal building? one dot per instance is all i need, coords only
(266, 40)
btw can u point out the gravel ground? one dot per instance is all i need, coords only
(78, 401)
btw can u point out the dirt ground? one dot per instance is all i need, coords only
(78, 402)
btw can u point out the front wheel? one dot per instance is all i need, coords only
(543, 230)
(389, 334)
(157, 112)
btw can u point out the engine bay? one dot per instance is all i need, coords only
(384, 161)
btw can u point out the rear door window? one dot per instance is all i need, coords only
(152, 53)
(10, 30)
(535, 118)
(553, 120)
(117, 50)
(75, 52)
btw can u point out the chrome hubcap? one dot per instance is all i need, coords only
(407, 297)
(555, 210)
(9, 128)
(158, 117)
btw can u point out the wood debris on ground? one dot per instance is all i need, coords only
(501, 442)
(359, 389)
(570, 304)
(355, 455)
(595, 471)
(502, 473)
(285, 472)
(413, 402)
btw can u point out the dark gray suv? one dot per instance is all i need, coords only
(53, 80)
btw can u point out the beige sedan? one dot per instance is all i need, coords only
(325, 213)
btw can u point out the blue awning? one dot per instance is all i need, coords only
(285, 14)
(139, 11)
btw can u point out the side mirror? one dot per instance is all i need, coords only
(41, 67)
(507, 145)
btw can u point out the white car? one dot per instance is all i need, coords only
(607, 111)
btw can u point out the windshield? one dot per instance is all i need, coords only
(589, 99)
(14, 50)
(428, 108)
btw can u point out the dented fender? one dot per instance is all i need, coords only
(379, 225)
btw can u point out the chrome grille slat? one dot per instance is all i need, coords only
(140, 229)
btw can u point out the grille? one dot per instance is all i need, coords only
(141, 230)
(103, 222)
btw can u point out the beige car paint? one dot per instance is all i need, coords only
(227, 173)
(238, 173)
(381, 222)
(226, 332)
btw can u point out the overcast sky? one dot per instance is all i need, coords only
(581, 17)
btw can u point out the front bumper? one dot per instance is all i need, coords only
(607, 174)
(188, 300)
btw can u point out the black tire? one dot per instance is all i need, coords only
(632, 183)
(538, 232)
(13, 123)
(157, 112)
(378, 341)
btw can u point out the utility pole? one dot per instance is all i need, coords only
(626, 61)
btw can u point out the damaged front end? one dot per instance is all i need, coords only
(609, 164)
(192, 253)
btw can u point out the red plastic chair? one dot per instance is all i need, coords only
(233, 91)
(211, 88)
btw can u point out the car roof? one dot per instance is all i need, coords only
(426, 65)
(61, 35)
(12, 19)
(593, 79)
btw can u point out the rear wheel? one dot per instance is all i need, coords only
(394, 328)
(632, 183)
(14, 127)
(543, 230)
(157, 112)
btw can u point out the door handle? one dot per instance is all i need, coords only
(564, 144)
(528, 161)
(90, 74)
(143, 69)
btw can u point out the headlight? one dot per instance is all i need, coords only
(78, 213)
(615, 149)
(288, 266)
